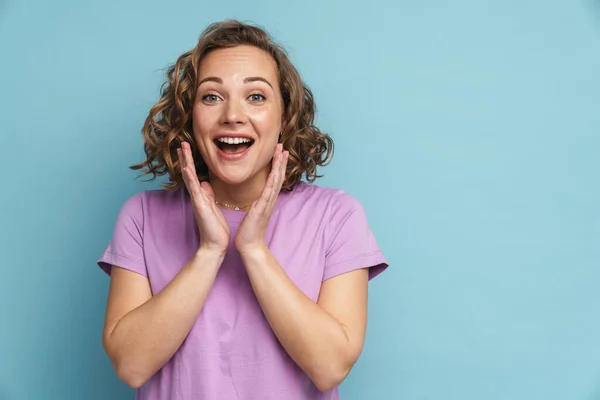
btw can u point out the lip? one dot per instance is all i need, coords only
(233, 135)
(232, 156)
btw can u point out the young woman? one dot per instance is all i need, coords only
(237, 280)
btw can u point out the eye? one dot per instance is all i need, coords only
(257, 97)
(210, 98)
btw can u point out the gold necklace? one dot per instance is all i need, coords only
(235, 208)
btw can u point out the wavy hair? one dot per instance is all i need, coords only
(169, 121)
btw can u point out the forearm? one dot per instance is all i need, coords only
(312, 337)
(148, 336)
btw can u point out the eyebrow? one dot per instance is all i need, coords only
(211, 79)
(256, 79)
(247, 80)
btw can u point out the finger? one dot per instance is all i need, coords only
(263, 201)
(192, 182)
(186, 171)
(199, 195)
(190, 166)
(184, 174)
(273, 186)
(193, 185)
(209, 194)
(278, 168)
(282, 170)
(262, 204)
(181, 155)
(180, 158)
(277, 182)
(220, 216)
(282, 167)
(187, 155)
(182, 162)
(275, 170)
(277, 160)
(208, 190)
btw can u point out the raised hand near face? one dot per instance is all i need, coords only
(251, 233)
(214, 230)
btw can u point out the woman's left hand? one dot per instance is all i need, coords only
(251, 233)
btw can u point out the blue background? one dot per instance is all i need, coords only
(470, 130)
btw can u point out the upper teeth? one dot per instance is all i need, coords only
(230, 140)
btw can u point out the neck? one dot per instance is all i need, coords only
(239, 195)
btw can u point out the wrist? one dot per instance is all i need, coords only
(254, 251)
(210, 255)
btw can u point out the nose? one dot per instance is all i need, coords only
(233, 113)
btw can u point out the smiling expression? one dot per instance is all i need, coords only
(238, 113)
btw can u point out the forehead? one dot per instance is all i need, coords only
(240, 60)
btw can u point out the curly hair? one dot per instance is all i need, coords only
(169, 121)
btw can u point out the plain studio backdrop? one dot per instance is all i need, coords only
(469, 130)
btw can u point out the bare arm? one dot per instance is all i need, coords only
(141, 331)
(325, 338)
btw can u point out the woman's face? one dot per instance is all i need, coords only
(238, 112)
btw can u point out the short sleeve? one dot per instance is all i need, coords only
(126, 247)
(352, 244)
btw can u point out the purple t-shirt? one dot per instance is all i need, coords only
(315, 233)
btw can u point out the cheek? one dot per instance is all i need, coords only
(201, 122)
(201, 130)
(267, 123)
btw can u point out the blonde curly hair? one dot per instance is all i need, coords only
(169, 121)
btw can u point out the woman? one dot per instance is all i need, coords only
(237, 280)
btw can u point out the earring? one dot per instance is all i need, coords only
(280, 135)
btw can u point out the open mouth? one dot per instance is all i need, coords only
(233, 145)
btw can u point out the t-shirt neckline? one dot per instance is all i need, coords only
(236, 217)
(232, 216)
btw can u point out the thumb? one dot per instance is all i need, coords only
(208, 190)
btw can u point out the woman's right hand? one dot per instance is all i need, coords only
(214, 230)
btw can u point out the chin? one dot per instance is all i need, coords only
(234, 176)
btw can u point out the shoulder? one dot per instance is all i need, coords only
(333, 202)
(133, 206)
(164, 198)
(154, 202)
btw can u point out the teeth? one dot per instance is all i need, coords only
(233, 140)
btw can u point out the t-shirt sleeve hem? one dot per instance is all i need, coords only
(376, 263)
(109, 259)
